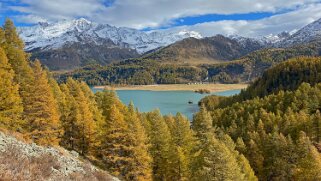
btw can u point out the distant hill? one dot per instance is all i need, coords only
(252, 66)
(214, 49)
(149, 71)
(75, 55)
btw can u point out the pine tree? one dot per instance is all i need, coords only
(10, 101)
(41, 114)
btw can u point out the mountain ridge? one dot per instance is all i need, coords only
(54, 35)
(59, 45)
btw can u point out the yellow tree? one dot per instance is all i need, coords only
(161, 147)
(18, 60)
(115, 147)
(69, 117)
(41, 114)
(91, 98)
(85, 124)
(140, 167)
(10, 102)
(184, 143)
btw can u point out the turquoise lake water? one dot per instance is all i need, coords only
(168, 102)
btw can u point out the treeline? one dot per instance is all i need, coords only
(116, 137)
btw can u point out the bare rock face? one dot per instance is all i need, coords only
(23, 161)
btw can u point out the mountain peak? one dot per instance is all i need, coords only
(193, 34)
(306, 34)
(55, 35)
(82, 24)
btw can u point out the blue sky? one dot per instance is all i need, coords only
(244, 17)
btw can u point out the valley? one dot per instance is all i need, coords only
(199, 93)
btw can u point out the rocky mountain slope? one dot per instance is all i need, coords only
(309, 33)
(54, 35)
(71, 44)
(206, 50)
(22, 161)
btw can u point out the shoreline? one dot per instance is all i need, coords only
(178, 87)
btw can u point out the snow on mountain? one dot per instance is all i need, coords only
(271, 38)
(54, 35)
(306, 34)
(265, 41)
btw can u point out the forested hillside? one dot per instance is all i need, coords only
(151, 71)
(275, 122)
(286, 76)
(116, 137)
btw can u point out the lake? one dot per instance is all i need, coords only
(168, 102)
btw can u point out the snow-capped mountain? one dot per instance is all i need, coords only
(47, 36)
(308, 33)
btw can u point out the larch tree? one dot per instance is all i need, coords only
(85, 137)
(18, 60)
(115, 147)
(184, 143)
(214, 160)
(93, 105)
(309, 161)
(69, 117)
(10, 101)
(41, 113)
(161, 147)
(140, 167)
(202, 124)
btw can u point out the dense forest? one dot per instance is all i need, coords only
(116, 137)
(270, 135)
(149, 71)
(288, 75)
(136, 72)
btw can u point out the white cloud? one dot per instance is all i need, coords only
(272, 25)
(29, 19)
(59, 9)
(155, 13)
